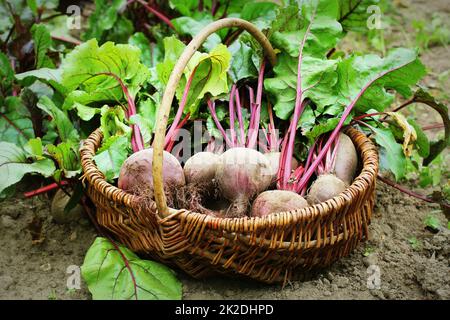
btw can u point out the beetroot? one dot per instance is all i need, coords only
(273, 201)
(200, 169)
(346, 160)
(325, 187)
(136, 174)
(241, 174)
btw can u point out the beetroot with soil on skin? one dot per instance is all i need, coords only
(136, 174)
(201, 168)
(274, 201)
(241, 174)
(346, 159)
(324, 188)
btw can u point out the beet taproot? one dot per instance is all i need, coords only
(273, 201)
(241, 174)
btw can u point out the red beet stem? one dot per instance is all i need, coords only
(45, 189)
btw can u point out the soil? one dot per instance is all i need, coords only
(413, 262)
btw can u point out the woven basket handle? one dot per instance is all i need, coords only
(169, 93)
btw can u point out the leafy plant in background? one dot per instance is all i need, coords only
(53, 94)
(431, 33)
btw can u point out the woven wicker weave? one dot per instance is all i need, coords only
(270, 249)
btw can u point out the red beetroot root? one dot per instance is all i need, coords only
(201, 168)
(274, 201)
(241, 174)
(325, 187)
(136, 174)
(346, 159)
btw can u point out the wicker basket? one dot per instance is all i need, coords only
(270, 249)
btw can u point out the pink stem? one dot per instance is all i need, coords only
(150, 9)
(253, 130)
(334, 154)
(180, 110)
(281, 184)
(239, 114)
(409, 192)
(63, 39)
(136, 140)
(251, 94)
(298, 109)
(212, 109)
(45, 189)
(273, 143)
(211, 146)
(231, 110)
(171, 144)
(263, 147)
(434, 126)
(367, 115)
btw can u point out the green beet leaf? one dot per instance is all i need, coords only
(241, 66)
(422, 143)
(34, 148)
(399, 70)
(185, 7)
(148, 51)
(146, 116)
(210, 75)
(436, 147)
(15, 122)
(15, 163)
(191, 26)
(6, 73)
(52, 77)
(103, 18)
(121, 275)
(289, 28)
(67, 157)
(354, 14)
(318, 74)
(83, 72)
(112, 122)
(261, 14)
(85, 113)
(42, 42)
(121, 31)
(64, 125)
(392, 157)
(110, 157)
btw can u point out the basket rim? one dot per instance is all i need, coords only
(365, 148)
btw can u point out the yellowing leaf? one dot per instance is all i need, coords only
(217, 77)
(409, 133)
